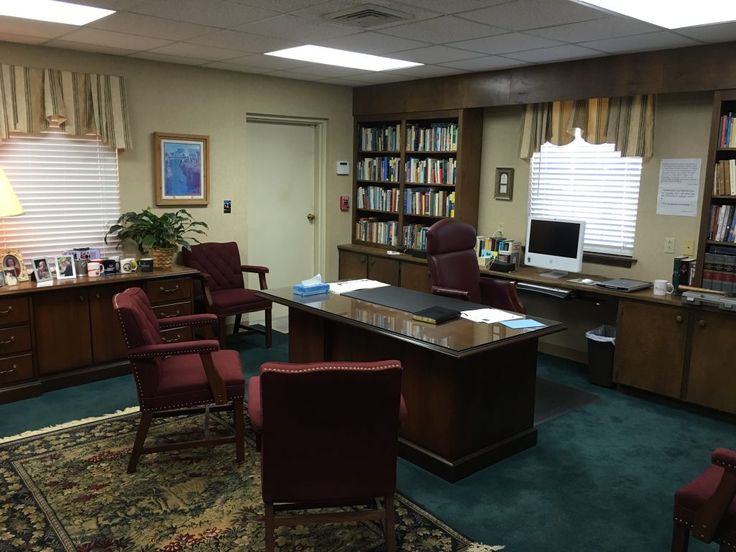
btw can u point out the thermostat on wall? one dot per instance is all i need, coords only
(343, 167)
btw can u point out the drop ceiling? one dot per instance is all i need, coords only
(448, 36)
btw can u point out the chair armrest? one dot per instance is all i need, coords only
(205, 280)
(187, 320)
(448, 292)
(260, 270)
(725, 458)
(710, 514)
(171, 349)
(500, 294)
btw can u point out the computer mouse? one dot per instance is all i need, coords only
(587, 281)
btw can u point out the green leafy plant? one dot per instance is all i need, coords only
(146, 229)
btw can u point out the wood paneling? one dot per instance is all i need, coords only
(416, 276)
(383, 270)
(353, 266)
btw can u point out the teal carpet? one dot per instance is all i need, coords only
(601, 478)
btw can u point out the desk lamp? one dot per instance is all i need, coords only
(9, 204)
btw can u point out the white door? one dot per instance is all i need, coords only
(281, 196)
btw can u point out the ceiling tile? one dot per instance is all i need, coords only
(97, 48)
(596, 29)
(326, 71)
(151, 56)
(130, 42)
(723, 32)
(215, 13)
(649, 41)
(20, 27)
(556, 53)
(227, 66)
(243, 42)
(382, 77)
(371, 43)
(345, 81)
(510, 42)
(297, 76)
(325, 11)
(282, 6)
(455, 6)
(146, 25)
(264, 63)
(426, 71)
(443, 29)
(532, 14)
(434, 54)
(184, 49)
(22, 39)
(119, 5)
(486, 63)
(298, 29)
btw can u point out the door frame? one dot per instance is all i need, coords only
(320, 173)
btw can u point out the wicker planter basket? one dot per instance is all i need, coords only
(163, 257)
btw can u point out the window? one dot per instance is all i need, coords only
(68, 186)
(588, 182)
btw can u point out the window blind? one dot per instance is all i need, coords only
(68, 186)
(589, 182)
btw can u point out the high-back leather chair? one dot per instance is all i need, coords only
(706, 507)
(177, 377)
(453, 266)
(328, 435)
(222, 289)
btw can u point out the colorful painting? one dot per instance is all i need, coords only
(182, 169)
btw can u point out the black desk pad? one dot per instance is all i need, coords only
(409, 300)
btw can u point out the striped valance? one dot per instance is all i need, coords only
(32, 100)
(626, 122)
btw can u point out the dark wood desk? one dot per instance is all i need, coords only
(469, 388)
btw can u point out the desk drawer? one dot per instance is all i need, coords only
(175, 309)
(16, 368)
(167, 291)
(176, 335)
(15, 340)
(13, 310)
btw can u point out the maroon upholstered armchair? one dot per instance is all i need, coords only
(178, 377)
(222, 288)
(328, 434)
(453, 266)
(706, 506)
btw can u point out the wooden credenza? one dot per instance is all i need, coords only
(361, 261)
(66, 333)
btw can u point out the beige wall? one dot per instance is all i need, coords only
(181, 99)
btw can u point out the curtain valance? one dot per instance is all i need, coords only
(33, 99)
(627, 122)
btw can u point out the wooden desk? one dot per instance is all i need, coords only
(469, 388)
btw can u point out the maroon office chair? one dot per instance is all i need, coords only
(706, 506)
(453, 266)
(176, 378)
(328, 434)
(222, 288)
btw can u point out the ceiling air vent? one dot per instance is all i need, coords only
(366, 16)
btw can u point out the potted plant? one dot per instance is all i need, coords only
(159, 236)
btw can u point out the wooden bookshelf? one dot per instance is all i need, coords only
(430, 159)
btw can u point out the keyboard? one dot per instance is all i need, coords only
(545, 290)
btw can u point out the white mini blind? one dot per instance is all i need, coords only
(68, 186)
(589, 182)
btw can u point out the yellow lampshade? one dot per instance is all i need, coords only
(9, 204)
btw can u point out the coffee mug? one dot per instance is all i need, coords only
(109, 266)
(128, 265)
(146, 265)
(662, 287)
(94, 269)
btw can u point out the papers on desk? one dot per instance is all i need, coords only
(489, 316)
(352, 285)
(522, 324)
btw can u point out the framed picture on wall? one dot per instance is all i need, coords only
(504, 184)
(181, 169)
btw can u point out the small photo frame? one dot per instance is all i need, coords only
(181, 169)
(42, 270)
(13, 261)
(65, 268)
(2, 278)
(504, 184)
(9, 276)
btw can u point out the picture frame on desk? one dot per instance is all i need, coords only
(181, 169)
(65, 268)
(12, 260)
(42, 270)
(504, 189)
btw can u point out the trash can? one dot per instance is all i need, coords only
(601, 346)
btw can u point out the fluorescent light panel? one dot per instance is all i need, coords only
(52, 11)
(672, 14)
(342, 58)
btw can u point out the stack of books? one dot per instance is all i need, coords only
(683, 271)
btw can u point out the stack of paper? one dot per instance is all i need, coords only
(489, 316)
(352, 285)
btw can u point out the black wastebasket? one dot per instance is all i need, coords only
(601, 347)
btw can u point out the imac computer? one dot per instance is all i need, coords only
(555, 244)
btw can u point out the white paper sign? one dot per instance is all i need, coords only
(679, 181)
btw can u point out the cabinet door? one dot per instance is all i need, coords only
(416, 276)
(650, 347)
(62, 329)
(383, 270)
(107, 336)
(711, 379)
(353, 266)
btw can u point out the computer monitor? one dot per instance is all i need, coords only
(555, 244)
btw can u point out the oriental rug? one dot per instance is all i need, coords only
(66, 489)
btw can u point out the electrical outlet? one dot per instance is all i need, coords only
(669, 245)
(688, 248)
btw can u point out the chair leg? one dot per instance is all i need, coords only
(258, 442)
(268, 328)
(239, 430)
(140, 438)
(269, 522)
(236, 326)
(680, 537)
(388, 506)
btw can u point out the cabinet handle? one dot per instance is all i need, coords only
(177, 313)
(678, 319)
(81, 298)
(172, 339)
(6, 372)
(162, 289)
(373, 261)
(701, 323)
(8, 341)
(97, 295)
(6, 311)
(363, 261)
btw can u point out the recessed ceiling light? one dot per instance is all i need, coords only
(673, 14)
(342, 58)
(53, 11)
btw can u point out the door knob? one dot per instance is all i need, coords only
(311, 217)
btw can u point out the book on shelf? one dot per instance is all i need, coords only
(683, 271)
(719, 271)
(436, 315)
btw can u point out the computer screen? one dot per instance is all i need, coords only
(555, 244)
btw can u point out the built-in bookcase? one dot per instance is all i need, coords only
(412, 170)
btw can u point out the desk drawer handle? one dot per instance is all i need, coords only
(162, 289)
(6, 311)
(9, 341)
(172, 340)
(177, 313)
(701, 323)
(678, 319)
(6, 372)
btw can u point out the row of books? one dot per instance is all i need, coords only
(722, 225)
(378, 169)
(415, 236)
(437, 203)
(724, 178)
(485, 246)
(436, 137)
(683, 271)
(373, 230)
(727, 137)
(377, 198)
(719, 272)
(383, 138)
(430, 171)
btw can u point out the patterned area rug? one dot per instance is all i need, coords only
(67, 489)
